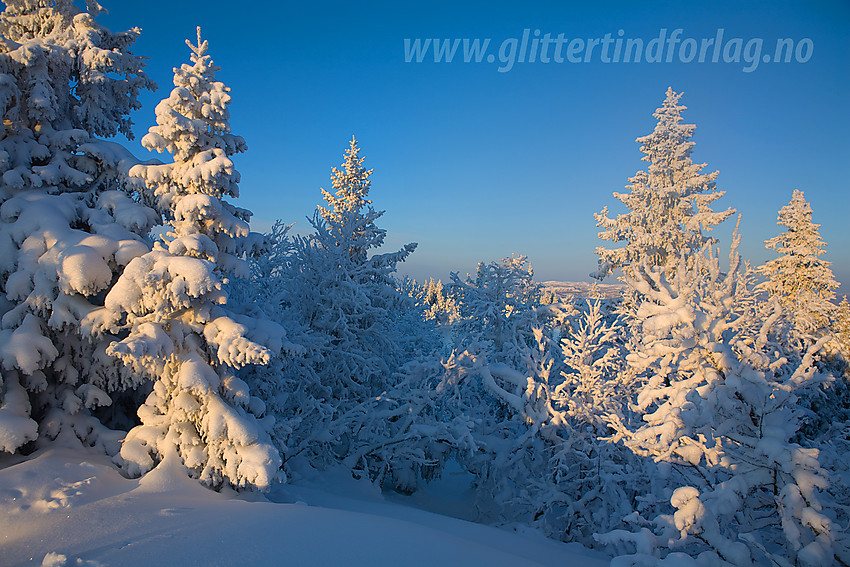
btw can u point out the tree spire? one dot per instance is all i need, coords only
(799, 278)
(179, 330)
(669, 203)
(349, 216)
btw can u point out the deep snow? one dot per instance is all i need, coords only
(69, 506)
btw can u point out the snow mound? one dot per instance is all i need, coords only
(98, 517)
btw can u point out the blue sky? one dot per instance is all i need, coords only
(475, 164)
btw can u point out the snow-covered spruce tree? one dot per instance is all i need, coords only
(171, 304)
(263, 287)
(332, 401)
(804, 285)
(439, 306)
(842, 328)
(494, 390)
(669, 203)
(69, 221)
(505, 333)
(588, 483)
(429, 313)
(830, 431)
(720, 411)
(801, 281)
(496, 305)
(592, 352)
(354, 294)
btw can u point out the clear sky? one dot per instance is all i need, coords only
(475, 164)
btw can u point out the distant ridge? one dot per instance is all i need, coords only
(572, 290)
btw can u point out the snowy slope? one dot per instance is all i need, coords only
(64, 506)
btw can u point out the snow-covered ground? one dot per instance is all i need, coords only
(69, 506)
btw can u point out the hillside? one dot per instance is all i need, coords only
(574, 290)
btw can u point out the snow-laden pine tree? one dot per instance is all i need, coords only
(801, 281)
(171, 305)
(332, 400)
(669, 204)
(69, 221)
(720, 411)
